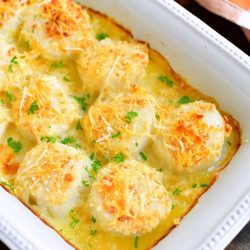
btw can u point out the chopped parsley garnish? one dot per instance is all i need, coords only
(136, 242)
(13, 61)
(101, 36)
(83, 102)
(89, 174)
(85, 183)
(78, 125)
(7, 185)
(130, 116)
(74, 222)
(9, 96)
(229, 143)
(66, 79)
(177, 191)
(165, 79)
(33, 108)
(185, 99)
(68, 140)
(173, 206)
(116, 135)
(92, 156)
(47, 139)
(136, 144)
(93, 232)
(203, 185)
(15, 145)
(96, 165)
(119, 158)
(93, 219)
(159, 169)
(143, 156)
(58, 65)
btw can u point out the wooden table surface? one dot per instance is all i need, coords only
(235, 35)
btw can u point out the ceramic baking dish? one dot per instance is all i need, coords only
(214, 66)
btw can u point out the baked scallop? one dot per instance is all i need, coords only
(112, 64)
(123, 205)
(58, 29)
(50, 178)
(122, 124)
(43, 108)
(192, 137)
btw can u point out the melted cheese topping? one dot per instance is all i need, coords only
(112, 64)
(50, 177)
(192, 137)
(107, 123)
(58, 29)
(123, 205)
(54, 111)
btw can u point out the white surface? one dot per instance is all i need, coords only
(214, 66)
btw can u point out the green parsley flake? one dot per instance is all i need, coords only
(159, 169)
(13, 61)
(136, 242)
(136, 144)
(229, 143)
(66, 79)
(96, 165)
(9, 96)
(33, 108)
(92, 156)
(68, 140)
(58, 65)
(143, 156)
(116, 135)
(27, 44)
(89, 174)
(93, 219)
(173, 206)
(165, 79)
(194, 185)
(101, 36)
(83, 102)
(85, 183)
(119, 158)
(93, 232)
(177, 191)
(47, 139)
(78, 125)
(185, 99)
(15, 145)
(7, 185)
(203, 185)
(130, 116)
(74, 222)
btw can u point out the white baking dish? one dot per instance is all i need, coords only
(217, 68)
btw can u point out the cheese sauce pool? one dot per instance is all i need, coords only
(79, 228)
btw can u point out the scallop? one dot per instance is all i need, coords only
(50, 176)
(59, 29)
(191, 138)
(112, 64)
(123, 205)
(122, 124)
(43, 108)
